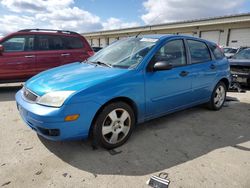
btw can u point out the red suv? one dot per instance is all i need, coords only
(28, 52)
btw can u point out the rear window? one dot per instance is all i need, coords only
(72, 43)
(199, 51)
(217, 51)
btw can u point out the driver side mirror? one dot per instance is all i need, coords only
(1, 49)
(162, 65)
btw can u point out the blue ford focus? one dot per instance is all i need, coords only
(129, 82)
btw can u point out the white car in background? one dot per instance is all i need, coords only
(229, 52)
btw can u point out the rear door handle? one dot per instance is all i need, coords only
(65, 54)
(212, 66)
(184, 73)
(29, 56)
(15, 63)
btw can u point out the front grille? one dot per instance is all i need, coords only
(49, 132)
(240, 69)
(30, 96)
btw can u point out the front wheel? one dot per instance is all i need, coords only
(218, 96)
(113, 125)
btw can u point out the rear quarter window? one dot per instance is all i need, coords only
(199, 51)
(72, 43)
(217, 52)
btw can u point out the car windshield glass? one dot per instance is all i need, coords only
(233, 51)
(126, 53)
(243, 54)
(226, 50)
(230, 50)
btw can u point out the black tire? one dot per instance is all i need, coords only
(213, 104)
(119, 127)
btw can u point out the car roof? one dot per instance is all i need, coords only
(168, 36)
(157, 36)
(40, 32)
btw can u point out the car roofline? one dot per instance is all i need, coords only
(168, 36)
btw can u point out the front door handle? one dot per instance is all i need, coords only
(29, 56)
(65, 54)
(212, 66)
(184, 73)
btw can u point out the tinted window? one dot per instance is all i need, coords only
(56, 43)
(217, 52)
(198, 51)
(19, 44)
(173, 52)
(72, 43)
(43, 42)
(46, 42)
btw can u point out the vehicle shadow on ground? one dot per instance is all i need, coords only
(162, 143)
(7, 93)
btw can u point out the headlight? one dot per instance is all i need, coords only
(54, 99)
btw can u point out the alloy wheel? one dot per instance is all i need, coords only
(219, 96)
(116, 126)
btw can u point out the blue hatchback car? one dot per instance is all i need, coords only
(129, 82)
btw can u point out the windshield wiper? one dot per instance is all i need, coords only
(102, 63)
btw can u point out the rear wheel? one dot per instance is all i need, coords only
(218, 96)
(113, 125)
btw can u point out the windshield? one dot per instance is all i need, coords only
(243, 54)
(230, 50)
(126, 53)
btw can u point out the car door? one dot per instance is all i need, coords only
(168, 90)
(204, 68)
(75, 50)
(17, 61)
(48, 52)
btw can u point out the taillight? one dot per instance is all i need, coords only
(90, 52)
(221, 48)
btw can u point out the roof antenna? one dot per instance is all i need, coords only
(150, 24)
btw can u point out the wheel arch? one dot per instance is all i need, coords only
(225, 81)
(127, 100)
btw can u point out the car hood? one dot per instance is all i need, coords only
(239, 62)
(71, 77)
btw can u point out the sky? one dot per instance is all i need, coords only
(95, 15)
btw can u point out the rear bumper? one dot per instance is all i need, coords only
(49, 122)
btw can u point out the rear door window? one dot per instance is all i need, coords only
(199, 51)
(49, 42)
(19, 43)
(43, 42)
